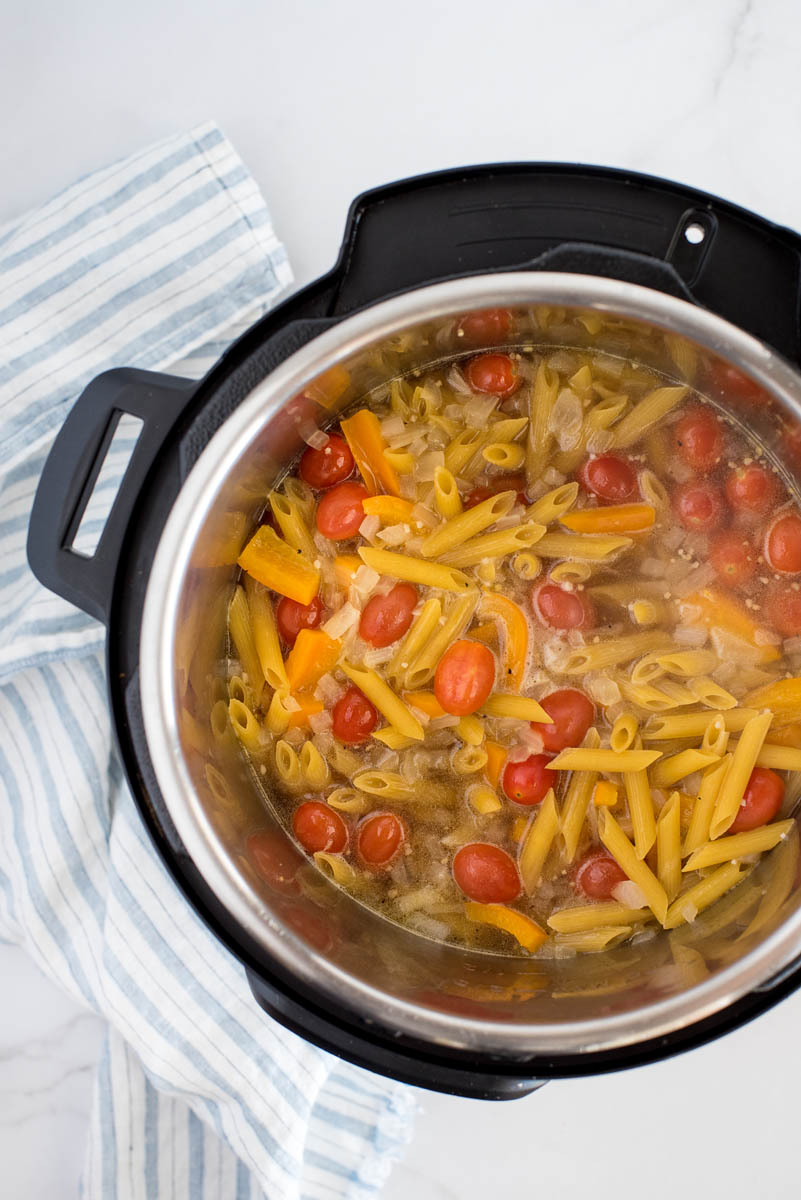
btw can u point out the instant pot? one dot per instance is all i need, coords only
(586, 257)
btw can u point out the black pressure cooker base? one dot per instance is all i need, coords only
(400, 237)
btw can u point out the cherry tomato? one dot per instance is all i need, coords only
(699, 438)
(699, 506)
(493, 373)
(275, 859)
(386, 618)
(486, 327)
(318, 827)
(609, 478)
(528, 780)
(486, 873)
(761, 801)
(560, 609)
(341, 511)
(332, 463)
(733, 558)
(353, 717)
(782, 605)
(379, 839)
(597, 875)
(291, 617)
(571, 714)
(783, 544)
(464, 677)
(752, 489)
(732, 384)
(500, 483)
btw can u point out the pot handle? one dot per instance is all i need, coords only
(72, 469)
(567, 217)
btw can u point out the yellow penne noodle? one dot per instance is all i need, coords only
(586, 547)
(463, 447)
(577, 799)
(419, 633)
(707, 691)
(289, 519)
(471, 730)
(348, 800)
(689, 725)
(495, 545)
(394, 740)
(287, 764)
(265, 634)
(686, 907)
(778, 758)
(623, 732)
(542, 398)
(538, 842)
(638, 872)
(679, 766)
(484, 799)
(594, 916)
(278, 715)
(553, 504)
(388, 785)
(687, 663)
(313, 766)
(507, 455)
(399, 715)
(645, 414)
(668, 846)
(521, 708)
(446, 494)
(716, 737)
(242, 637)
(590, 941)
(245, 726)
(738, 845)
(598, 655)
(653, 490)
(701, 819)
(336, 866)
(414, 570)
(467, 525)
(641, 808)
(582, 759)
(450, 627)
(467, 760)
(739, 772)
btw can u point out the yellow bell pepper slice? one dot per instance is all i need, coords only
(527, 932)
(426, 702)
(721, 611)
(367, 444)
(313, 655)
(345, 567)
(496, 757)
(612, 518)
(308, 707)
(268, 559)
(500, 607)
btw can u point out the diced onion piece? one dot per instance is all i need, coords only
(629, 895)
(291, 704)
(320, 722)
(393, 535)
(370, 527)
(478, 409)
(365, 580)
(316, 438)
(342, 621)
(392, 426)
(566, 419)
(327, 689)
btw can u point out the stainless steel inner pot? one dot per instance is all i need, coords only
(505, 1006)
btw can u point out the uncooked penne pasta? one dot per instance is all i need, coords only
(538, 842)
(742, 764)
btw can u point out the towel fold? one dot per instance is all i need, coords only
(156, 261)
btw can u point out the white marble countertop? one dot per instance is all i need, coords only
(324, 99)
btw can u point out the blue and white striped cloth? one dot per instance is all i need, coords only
(156, 262)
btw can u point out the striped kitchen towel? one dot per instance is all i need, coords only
(157, 262)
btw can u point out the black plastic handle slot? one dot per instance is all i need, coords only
(71, 471)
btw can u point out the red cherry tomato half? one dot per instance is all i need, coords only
(341, 511)
(486, 327)
(500, 483)
(560, 609)
(331, 464)
(275, 860)
(291, 617)
(493, 373)
(379, 839)
(782, 606)
(699, 438)
(464, 677)
(783, 544)
(386, 618)
(609, 478)
(733, 558)
(752, 489)
(597, 875)
(486, 873)
(732, 384)
(318, 827)
(761, 801)
(527, 781)
(571, 713)
(353, 717)
(699, 506)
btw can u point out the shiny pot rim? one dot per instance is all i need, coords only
(754, 972)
